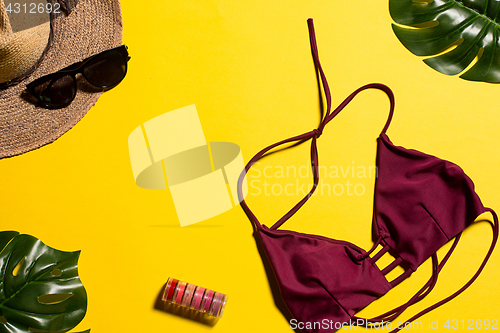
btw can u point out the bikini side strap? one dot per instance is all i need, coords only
(468, 284)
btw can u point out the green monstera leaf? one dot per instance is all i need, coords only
(40, 290)
(439, 25)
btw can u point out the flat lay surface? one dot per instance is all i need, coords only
(247, 66)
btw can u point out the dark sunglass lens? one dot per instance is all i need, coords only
(57, 91)
(106, 70)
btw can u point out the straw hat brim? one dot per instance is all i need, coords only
(91, 27)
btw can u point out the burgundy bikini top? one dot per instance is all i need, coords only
(421, 203)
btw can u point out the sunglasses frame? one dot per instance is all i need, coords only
(74, 69)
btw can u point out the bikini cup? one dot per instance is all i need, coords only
(421, 203)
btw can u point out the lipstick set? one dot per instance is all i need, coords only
(194, 297)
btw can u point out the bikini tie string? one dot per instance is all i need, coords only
(317, 133)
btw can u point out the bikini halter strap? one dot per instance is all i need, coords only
(314, 134)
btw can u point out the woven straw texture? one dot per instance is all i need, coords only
(92, 27)
(21, 50)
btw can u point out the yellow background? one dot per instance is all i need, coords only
(247, 66)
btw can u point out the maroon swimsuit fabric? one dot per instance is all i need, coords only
(421, 203)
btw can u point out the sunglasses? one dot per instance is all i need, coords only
(103, 70)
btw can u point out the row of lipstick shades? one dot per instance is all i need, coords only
(194, 297)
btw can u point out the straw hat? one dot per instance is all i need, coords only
(89, 27)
